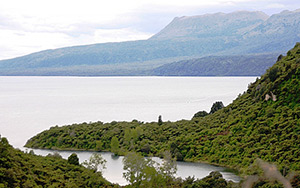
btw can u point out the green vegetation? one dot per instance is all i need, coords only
(264, 123)
(200, 114)
(73, 159)
(96, 163)
(18, 169)
(114, 145)
(160, 122)
(142, 172)
(216, 106)
(146, 173)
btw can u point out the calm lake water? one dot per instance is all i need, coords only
(30, 105)
(114, 166)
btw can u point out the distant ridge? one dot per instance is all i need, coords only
(211, 25)
(238, 65)
(237, 33)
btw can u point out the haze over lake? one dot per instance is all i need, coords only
(30, 105)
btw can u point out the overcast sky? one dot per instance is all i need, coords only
(28, 26)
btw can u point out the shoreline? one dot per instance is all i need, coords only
(226, 168)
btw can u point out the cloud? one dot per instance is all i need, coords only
(16, 42)
(276, 6)
(116, 35)
(35, 25)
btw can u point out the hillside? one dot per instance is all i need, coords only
(211, 26)
(247, 65)
(18, 169)
(264, 123)
(237, 33)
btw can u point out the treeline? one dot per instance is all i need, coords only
(27, 170)
(264, 123)
(19, 169)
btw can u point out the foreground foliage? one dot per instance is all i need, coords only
(144, 172)
(18, 169)
(263, 123)
(96, 163)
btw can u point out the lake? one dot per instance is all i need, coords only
(114, 166)
(30, 105)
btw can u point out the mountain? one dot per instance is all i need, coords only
(212, 26)
(237, 33)
(238, 65)
(263, 123)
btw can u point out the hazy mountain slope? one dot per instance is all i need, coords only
(211, 26)
(248, 65)
(237, 33)
(279, 30)
(135, 52)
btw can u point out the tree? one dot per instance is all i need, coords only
(4, 145)
(273, 73)
(152, 178)
(279, 57)
(133, 165)
(216, 106)
(139, 131)
(169, 167)
(99, 145)
(144, 172)
(55, 155)
(127, 136)
(73, 159)
(96, 162)
(200, 114)
(215, 179)
(134, 135)
(175, 150)
(114, 145)
(160, 122)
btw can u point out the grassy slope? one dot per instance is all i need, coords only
(18, 169)
(235, 136)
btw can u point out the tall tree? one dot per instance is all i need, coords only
(160, 122)
(169, 166)
(114, 145)
(73, 159)
(144, 172)
(216, 106)
(96, 162)
(127, 136)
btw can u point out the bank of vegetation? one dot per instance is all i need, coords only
(19, 169)
(263, 122)
(27, 170)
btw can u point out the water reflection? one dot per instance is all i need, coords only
(114, 166)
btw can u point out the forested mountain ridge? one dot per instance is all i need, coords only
(264, 123)
(242, 65)
(237, 33)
